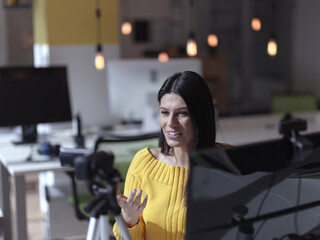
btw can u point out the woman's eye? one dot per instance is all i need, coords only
(164, 112)
(183, 113)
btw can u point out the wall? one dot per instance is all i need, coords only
(3, 41)
(167, 25)
(306, 48)
(71, 40)
(16, 38)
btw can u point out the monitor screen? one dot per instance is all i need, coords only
(132, 82)
(265, 178)
(30, 95)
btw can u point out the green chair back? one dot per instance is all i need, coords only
(289, 103)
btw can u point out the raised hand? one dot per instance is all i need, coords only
(131, 207)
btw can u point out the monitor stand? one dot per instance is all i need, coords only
(29, 134)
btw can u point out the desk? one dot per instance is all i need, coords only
(233, 130)
(240, 130)
(13, 164)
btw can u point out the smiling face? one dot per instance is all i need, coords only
(176, 123)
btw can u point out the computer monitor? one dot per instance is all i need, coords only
(30, 95)
(265, 178)
(131, 82)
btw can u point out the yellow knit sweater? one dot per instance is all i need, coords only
(165, 214)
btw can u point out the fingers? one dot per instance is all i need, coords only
(131, 196)
(136, 202)
(122, 200)
(118, 190)
(134, 199)
(143, 204)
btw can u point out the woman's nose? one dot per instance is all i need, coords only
(172, 120)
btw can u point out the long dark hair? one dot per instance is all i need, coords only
(196, 94)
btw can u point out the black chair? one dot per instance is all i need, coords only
(124, 149)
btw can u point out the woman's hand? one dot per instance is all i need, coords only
(131, 207)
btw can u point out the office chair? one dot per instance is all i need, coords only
(124, 149)
(288, 103)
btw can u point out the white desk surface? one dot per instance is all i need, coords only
(14, 157)
(256, 128)
(232, 130)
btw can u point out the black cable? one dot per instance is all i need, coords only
(297, 204)
(262, 202)
(98, 16)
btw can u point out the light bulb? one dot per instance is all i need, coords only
(256, 24)
(126, 28)
(99, 61)
(163, 57)
(213, 40)
(272, 47)
(191, 47)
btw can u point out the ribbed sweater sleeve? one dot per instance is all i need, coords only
(132, 182)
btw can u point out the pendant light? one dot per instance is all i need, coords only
(191, 43)
(99, 58)
(163, 57)
(212, 39)
(272, 47)
(256, 21)
(256, 24)
(126, 26)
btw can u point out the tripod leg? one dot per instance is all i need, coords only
(123, 227)
(93, 229)
(104, 227)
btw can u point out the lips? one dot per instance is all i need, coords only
(173, 134)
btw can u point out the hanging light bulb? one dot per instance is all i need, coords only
(126, 28)
(99, 58)
(272, 47)
(163, 57)
(191, 46)
(213, 40)
(256, 24)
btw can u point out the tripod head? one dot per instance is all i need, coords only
(290, 129)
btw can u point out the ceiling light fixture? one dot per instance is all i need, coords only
(126, 28)
(212, 39)
(256, 24)
(163, 57)
(99, 58)
(272, 47)
(191, 43)
(256, 20)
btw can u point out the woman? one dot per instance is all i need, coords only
(187, 120)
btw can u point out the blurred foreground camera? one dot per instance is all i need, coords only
(94, 167)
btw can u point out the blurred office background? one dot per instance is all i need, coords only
(239, 69)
